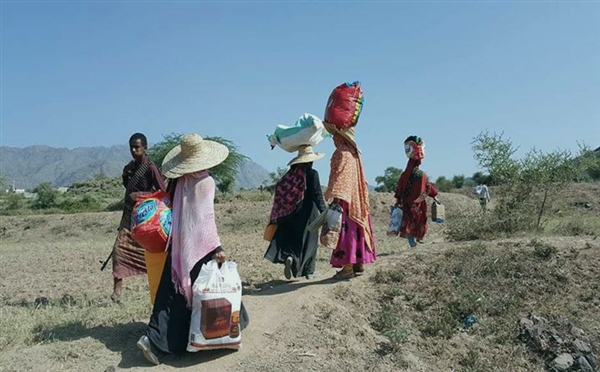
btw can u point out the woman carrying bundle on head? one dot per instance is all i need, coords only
(412, 191)
(194, 242)
(298, 202)
(347, 190)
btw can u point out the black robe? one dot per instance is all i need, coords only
(292, 238)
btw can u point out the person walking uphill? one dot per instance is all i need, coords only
(347, 187)
(139, 176)
(194, 242)
(298, 202)
(412, 191)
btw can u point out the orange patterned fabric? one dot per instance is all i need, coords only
(347, 182)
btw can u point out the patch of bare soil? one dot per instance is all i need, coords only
(55, 313)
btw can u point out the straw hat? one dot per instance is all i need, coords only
(306, 154)
(192, 155)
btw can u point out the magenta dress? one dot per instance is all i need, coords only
(352, 247)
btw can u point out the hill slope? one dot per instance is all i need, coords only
(32, 165)
(411, 296)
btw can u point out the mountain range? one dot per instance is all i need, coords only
(30, 166)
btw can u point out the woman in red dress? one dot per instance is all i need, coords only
(412, 192)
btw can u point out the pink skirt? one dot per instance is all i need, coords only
(352, 246)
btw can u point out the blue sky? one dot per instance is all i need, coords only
(84, 73)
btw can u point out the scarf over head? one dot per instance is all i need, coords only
(347, 182)
(194, 230)
(412, 185)
(289, 193)
(349, 134)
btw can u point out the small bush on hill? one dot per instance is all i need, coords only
(389, 180)
(14, 201)
(443, 184)
(87, 203)
(46, 196)
(527, 188)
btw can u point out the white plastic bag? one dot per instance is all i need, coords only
(308, 130)
(395, 220)
(217, 301)
(330, 231)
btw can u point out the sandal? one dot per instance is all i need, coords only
(116, 298)
(287, 271)
(344, 274)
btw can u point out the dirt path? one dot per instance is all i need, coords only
(270, 311)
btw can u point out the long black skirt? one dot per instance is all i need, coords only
(169, 326)
(292, 239)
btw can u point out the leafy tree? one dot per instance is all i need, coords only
(46, 196)
(225, 185)
(274, 177)
(277, 175)
(389, 180)
(458, 181)
(480, 178)
(495, 154)
(443, 184)
(528, 186)
(223, 173)
(589, 161)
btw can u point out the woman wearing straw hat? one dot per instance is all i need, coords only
(347, 188)
(194, 241)
(298, 202)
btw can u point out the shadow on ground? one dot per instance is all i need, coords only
(122, 338)
(277, 287)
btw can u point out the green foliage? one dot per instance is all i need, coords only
(277, 175)
(3, 181)
(458, 181)
(46, 196)
(223, 173)
(479, 178)
(389, 180)
(389, 276)
(14, 201)
(226, 185)
(443, 184)
(274, 177)
(390, 324)
(116, 206)
(529, 186)
(589, 161)
(100, 186)
(158, 151)
(87, 203)
(495, 154)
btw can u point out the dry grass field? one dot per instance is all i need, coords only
(407, 313)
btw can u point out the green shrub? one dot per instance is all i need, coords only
(46, 196)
